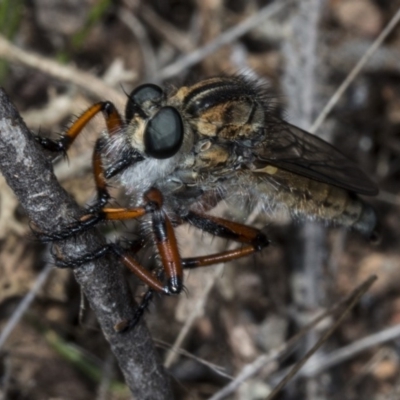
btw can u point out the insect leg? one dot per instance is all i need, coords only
(124, 325)
(114, 124)
(147, 297)
(255, 239)
(171, 262)
(163, 233)
(101, 185)
(225, 256)
(111, 116)
(164, 237)
(137, 269)
(134, 247)
(87, 221)
(165, 241)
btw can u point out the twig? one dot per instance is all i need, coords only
(70, 74)
(29, 174)
(355, 71)
(385, 59)
(225, 38)
(214, 367)
(247, 372)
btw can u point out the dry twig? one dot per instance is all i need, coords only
(70, 74)
(29, 174)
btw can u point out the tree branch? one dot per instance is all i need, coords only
(29, 174)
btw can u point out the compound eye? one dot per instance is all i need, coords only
(164, 133)
(139, 96)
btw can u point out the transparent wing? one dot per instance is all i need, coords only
(290, 148)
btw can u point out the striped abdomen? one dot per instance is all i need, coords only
(314, 199)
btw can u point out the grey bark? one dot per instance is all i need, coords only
(29, 174)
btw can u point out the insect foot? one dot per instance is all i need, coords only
(86, 222)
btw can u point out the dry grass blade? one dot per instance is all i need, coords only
(356, 70)
(225, 38)
(216, 368)
(69, 74)
(253, 368)
(351, 350)
(352, 302)
(24, 304)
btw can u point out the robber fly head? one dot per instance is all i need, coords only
(155, 129)
(153, 142)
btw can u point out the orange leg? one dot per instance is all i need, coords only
(111, 116)
(167, 247)
(163, 234)
(205, 261)
(214, 225)
(227, 229)
(142, 273)
(255, 239)
(117, 214)
(113, 122)
(164, 238)
(166, 243)
(87, 221)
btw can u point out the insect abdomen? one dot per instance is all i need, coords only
(347, 209)
(314, 199)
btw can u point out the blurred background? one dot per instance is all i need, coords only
(57, 57)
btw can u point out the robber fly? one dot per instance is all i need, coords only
(179, 153)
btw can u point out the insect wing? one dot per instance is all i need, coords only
(290, 148)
